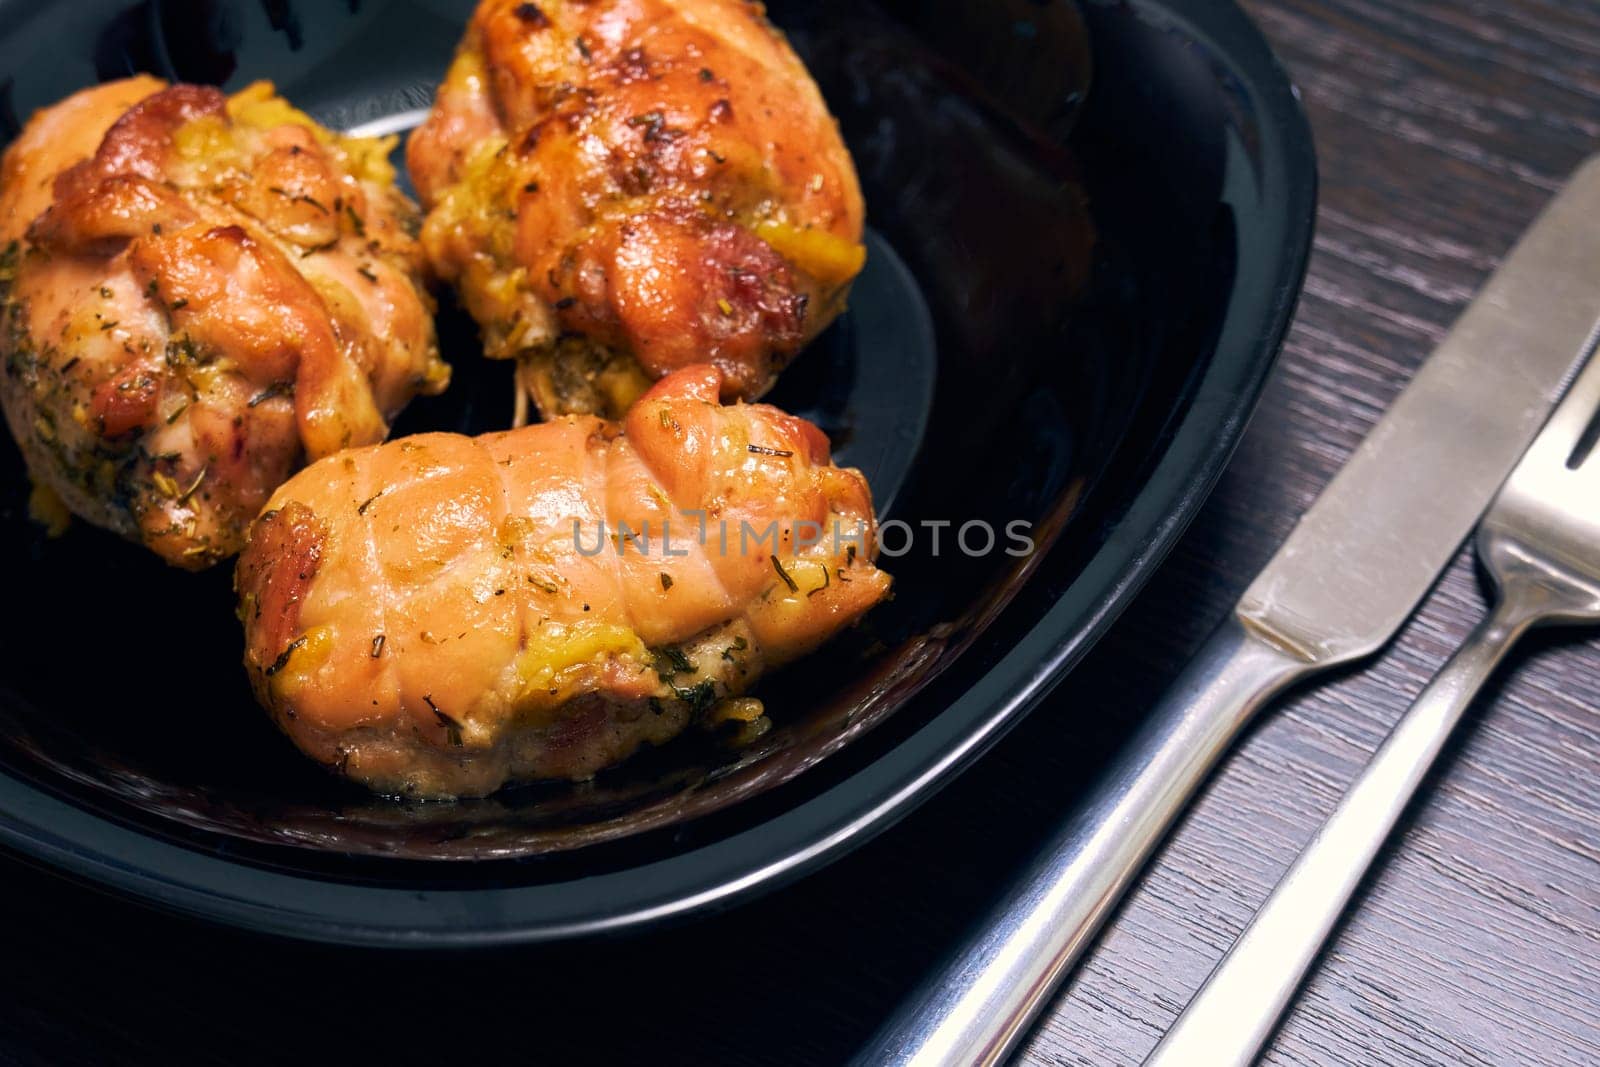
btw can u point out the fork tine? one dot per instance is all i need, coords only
(1583, 481)
(1569, 422)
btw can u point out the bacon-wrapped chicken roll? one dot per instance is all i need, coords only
(440, 615)
(619, 188)
(197, 293)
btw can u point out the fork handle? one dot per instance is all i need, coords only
(1229, 1020)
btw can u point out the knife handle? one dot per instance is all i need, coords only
(974, 1009)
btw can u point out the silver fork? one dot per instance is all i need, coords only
(1540, 543)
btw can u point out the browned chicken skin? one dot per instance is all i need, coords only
(619, 188)
(440, 615)
(199, 292)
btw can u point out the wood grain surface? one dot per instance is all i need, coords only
(1442, 127)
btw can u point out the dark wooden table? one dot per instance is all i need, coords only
(1442, 127)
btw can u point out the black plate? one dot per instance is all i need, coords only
(1072, 301)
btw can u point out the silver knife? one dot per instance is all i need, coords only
(1349, 574)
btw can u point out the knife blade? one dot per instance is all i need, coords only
(1350, 573)
(1373, 544)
